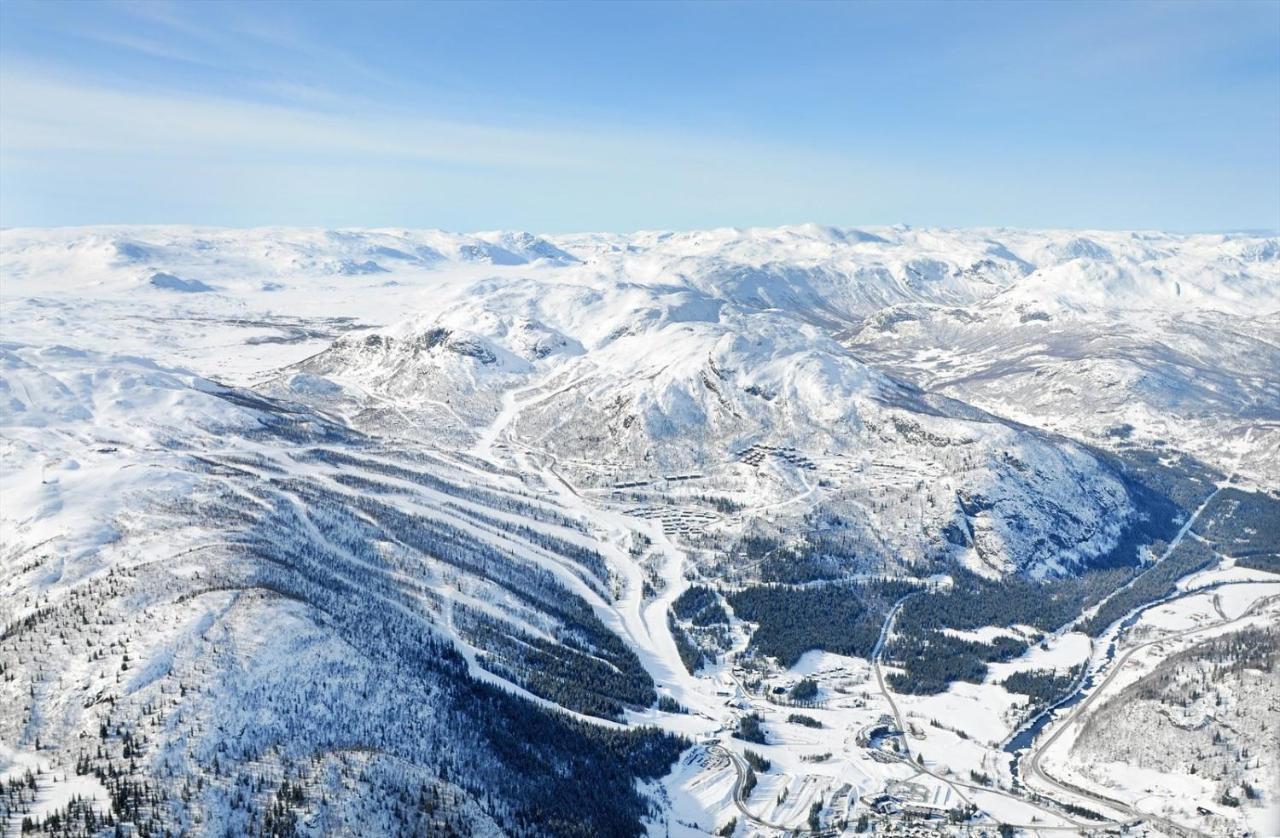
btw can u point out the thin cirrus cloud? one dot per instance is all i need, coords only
(48, 116)
(140, 138)
(606, 116)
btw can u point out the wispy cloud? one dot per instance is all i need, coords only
(233, 112)
(218, 160)
(151, 47)
(241, 39)
(43, 115)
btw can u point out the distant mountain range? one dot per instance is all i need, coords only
(402, 532)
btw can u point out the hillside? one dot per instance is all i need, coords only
(309, 529)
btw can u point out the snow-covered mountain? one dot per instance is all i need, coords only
(400, 527)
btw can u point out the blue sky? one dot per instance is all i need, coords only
(616, 116)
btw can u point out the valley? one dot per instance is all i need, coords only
(749, 532)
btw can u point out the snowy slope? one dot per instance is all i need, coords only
(266, 490)
(284, 588)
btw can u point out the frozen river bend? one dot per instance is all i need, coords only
(739, 531)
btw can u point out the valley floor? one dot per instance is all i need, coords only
(738, 532)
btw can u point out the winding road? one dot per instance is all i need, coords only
(648, 633)
(955, 785)
(877, 653)
(1033, 767)
(1177, 538)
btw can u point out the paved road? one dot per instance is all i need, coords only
(1177, 539)
(877, 653)
(1032, 768)
(955, 785)
(740, 799)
